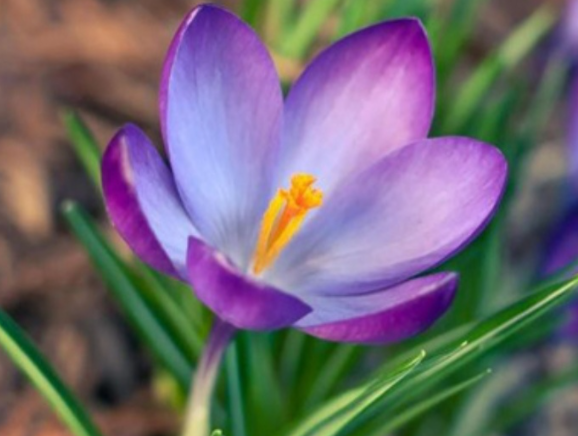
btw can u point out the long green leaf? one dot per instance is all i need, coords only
(143, 319)
(300, 37)
(84, 145)
(334, 367)
(398, 420)
(30, 361)
(479, 339)
(234, 389)
(483, 336)
(169, 312)
(509, 55)
(328, 421)
(262, 381)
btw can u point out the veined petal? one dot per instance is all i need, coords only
(385, 316)
(236, 298)
(368, 94)
(143, 204)
(221, 108)
(407, 213)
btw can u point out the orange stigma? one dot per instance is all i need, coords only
(283, 219)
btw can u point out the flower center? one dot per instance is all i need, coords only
(283, 218)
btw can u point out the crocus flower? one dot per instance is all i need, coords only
(319, 211)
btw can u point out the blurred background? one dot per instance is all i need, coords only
(103, 59)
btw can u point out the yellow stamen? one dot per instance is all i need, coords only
(283, 219)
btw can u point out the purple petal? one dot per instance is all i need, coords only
(569, 329)
(572, 133)
(235, 298)
(142, 202)
(560, 252)
(569, 28)
(386, 316)
(562, 248)
(221, 107)
(365, 96)
(407, 213)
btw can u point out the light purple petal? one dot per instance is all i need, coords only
(234, 297)
(407, 213)
(142, 202)
(386, 316)
(221, 107)
(365, 96)
(569, 28)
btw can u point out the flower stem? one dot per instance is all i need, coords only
(197, 418)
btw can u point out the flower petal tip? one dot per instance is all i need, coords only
(406, 310)
(142, 202)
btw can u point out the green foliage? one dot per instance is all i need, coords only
(30, 361)
(84, 144)
(174, 356)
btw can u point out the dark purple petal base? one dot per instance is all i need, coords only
(234, 297)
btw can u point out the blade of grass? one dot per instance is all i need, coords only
(30, 361)
(140, 315)
(513, 50)
(356, 15)
(236, 404)
(298, 39)
(170, 313)
(334, 367)
(251, 12)
(263, 389)
(449, 34)
(408, 414)
(84, 144)
(483, 336)
(328, 421)
(279, 13)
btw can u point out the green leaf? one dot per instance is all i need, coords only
(84, 145)
(168, 310)
(357, 14)
(330, 419)
(404, 8)
(279, 13)
(234, 390)
(485, 335)
(335, 365)
(537, 117)
(515, 48)
(263, 389)
(449, 34)
(406, 415)
(30, 361)
(298, 39)
(479, 339)
(251, 11)
(142, 317)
